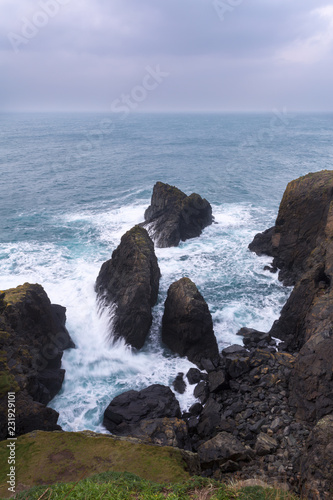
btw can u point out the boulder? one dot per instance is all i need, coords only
(173, 216)
(163, 432)
(237, 361)
(311, 381)
(222, 448)
(130, 282)
(265, 444)
(179, 383)
(316, 462)
(252, 337)
(194, 376)
(217, 381)
(126, 411)
(32, 339)
(187, 326)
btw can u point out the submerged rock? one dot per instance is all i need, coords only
(187, 326)
(173, 216)
(32, 339)
(130, 281)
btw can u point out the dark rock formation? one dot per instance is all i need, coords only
(251, 412)
(254, 338)
(126, 411)
(311, 382)
(265, 445)
(305, 218)
(130, 280)
(187, 326)
(223, 451)
(153, 415)
(302, 247)
(164, 432)
(32, 339)
(179, 383)
(173, 216)
(316, 463)
(194, 376)
(301, 243)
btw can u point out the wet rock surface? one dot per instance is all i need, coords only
(32, 339)
(129, 283)
(187, 326)
(173, 216)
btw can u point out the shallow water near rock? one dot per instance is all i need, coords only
(72, 186)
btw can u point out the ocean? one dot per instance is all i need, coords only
(73, 184)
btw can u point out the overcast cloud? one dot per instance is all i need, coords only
(220, 55)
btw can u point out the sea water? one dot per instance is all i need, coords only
(73, 184)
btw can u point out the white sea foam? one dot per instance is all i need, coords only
(229, 277)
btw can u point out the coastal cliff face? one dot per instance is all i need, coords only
(32, 339)
(129, 281)
(173, 216)
(301, 243)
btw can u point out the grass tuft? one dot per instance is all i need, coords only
(126, 486)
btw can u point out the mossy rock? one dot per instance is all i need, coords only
(14, 295)
(51, 457)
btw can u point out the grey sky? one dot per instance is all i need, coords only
(220, 55)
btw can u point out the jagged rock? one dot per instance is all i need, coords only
(252, 337)
(233, 349)
(201, 391)
(173, 216)
(302, 246)
(237, 361)
(164, 432)
(265, 444)
(187, 326)
(316, 462)
(305, 215)
(194, 376)
(217, 381)
(195, 409)
(32, 339)
(262, 242)
(179, 383)
(126, 411)
(311, 381)
(220, 449)
(130, 281)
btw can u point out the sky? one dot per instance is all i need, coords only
(166, 55)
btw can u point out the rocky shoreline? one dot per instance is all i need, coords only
(264, 410)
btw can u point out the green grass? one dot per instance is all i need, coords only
(126, 486)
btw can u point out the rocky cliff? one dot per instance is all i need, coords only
(32, 339)
(301, 243)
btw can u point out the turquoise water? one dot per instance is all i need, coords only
(71, 185)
